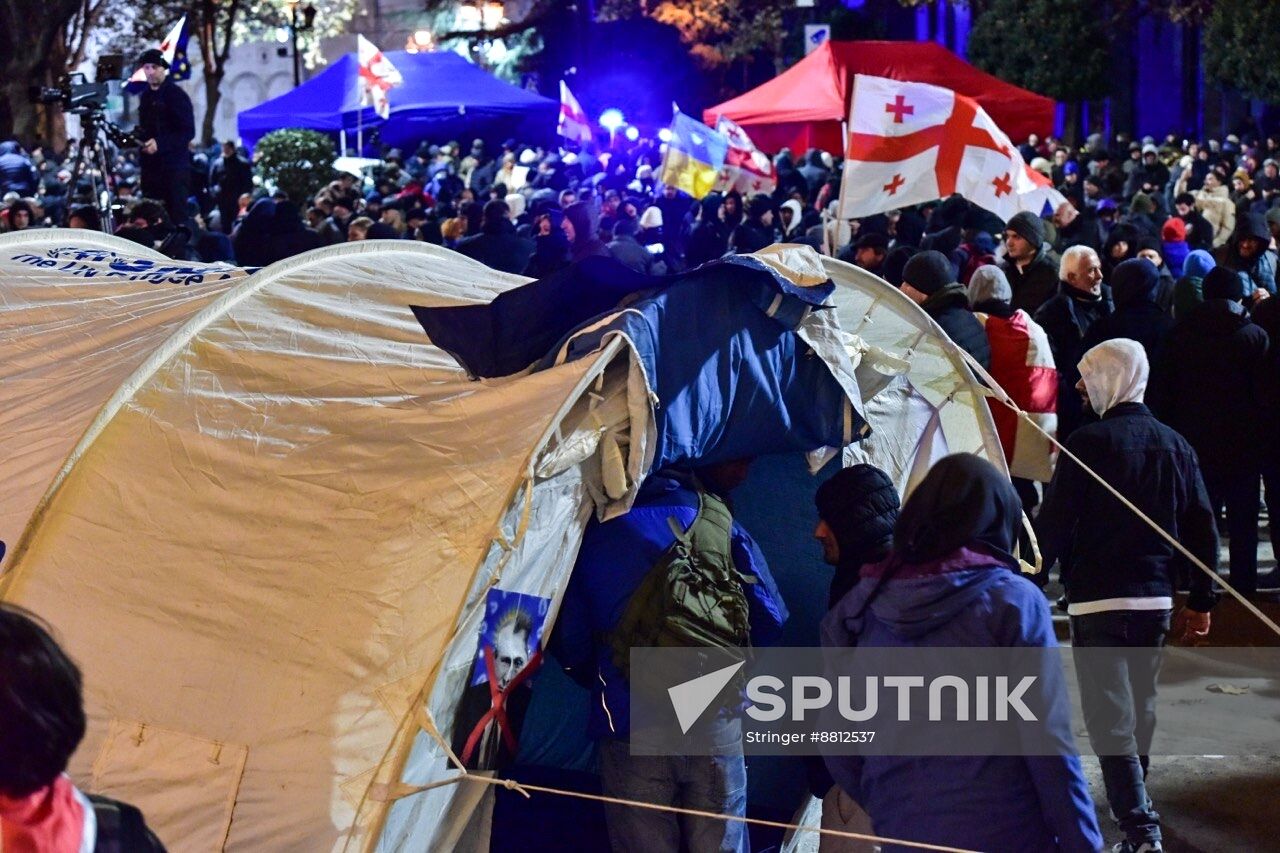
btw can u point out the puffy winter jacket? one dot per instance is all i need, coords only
(16, 172)
(1002, 803)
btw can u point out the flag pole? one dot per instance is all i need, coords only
(844, 170)
(360, 127)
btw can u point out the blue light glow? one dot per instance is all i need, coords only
(612, 119)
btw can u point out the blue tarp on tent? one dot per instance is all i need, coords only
(444, 97)
(718, 345)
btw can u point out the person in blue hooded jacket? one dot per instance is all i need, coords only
(612, 561)
(951, 581)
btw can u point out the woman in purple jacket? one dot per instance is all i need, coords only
(951, 581)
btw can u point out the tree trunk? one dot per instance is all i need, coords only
(212, 95)
(28, 32)
(1071, 126)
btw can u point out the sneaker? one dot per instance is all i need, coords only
(1144, 847)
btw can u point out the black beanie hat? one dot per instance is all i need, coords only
(1221, 283)
(860, 505)
(928, 272)
(1028, 226)
(152, 56)
(895, 262)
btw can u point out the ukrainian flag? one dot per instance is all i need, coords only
(695, 156)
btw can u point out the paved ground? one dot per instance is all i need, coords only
(1207, 805)
(1216, 803)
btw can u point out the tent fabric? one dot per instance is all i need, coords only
(270, 545)
(443, 97)
(80, 312)
(919, 396)
(717, 402)
(804, 106)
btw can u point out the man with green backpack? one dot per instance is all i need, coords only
(676, 571)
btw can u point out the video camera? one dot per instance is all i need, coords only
(88, 100)
(76, 94)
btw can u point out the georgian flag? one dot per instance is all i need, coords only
(747, 169)
(377, 76)
(573, 123)
(913, 142)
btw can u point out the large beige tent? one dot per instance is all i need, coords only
(79, 311)
(269, 536)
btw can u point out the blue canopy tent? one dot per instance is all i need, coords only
(443, 97)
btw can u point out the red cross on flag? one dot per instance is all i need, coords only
(747, 169)
(573, 123)
(1043, 200)
(377, 76)
(912, 142)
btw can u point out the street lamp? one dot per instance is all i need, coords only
(295, 26)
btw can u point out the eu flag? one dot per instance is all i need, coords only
(695, 156)
(179, 67)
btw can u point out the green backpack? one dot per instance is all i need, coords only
(692, 597)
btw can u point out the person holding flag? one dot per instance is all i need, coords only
(166, 126)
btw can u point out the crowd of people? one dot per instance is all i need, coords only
(1138, 320)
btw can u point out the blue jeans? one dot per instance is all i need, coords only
(1118, 694)
(714, 783)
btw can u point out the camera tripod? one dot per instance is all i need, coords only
(93, 161)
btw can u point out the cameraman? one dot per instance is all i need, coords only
(166, 126)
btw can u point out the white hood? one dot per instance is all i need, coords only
(1115, 372)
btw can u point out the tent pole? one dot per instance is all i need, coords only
(342, 142)
(360, 130)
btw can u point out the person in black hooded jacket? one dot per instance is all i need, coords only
(550, 245)
(857, 509)
(929, 279)
(1209, 384)
(581, 231)
(1135, 287)
(756, 231)
(498, 246)
(709, 238)
(291, 237)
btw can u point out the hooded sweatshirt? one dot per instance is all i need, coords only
(948, 583)
(1188, 291)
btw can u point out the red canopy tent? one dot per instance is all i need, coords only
(803, 106)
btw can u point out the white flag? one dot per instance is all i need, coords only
(377, 76)
(573, 123)
(913, 142)
(747, 169)
(168, 49)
